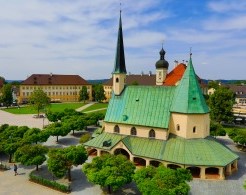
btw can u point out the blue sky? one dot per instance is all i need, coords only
(79, 37)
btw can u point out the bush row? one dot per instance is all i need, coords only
(49, 183)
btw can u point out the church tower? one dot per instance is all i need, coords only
(119, 72)
(189, 111)
(161, 68)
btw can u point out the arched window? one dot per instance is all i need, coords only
(151, 133)
(194, 129)
(117, 80)
(116, 129)
(178, 127)
(133, 131)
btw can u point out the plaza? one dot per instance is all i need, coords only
(20, 185)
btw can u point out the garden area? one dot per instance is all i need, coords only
(54, 107)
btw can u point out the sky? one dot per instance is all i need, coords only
(79, 37)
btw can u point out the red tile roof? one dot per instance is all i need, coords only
(175, 75)
(54, 79)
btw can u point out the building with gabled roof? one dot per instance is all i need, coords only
(169, 125)
(60, 88)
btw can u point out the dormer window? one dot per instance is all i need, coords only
(133, 131)
(151, 133)
(116, 129)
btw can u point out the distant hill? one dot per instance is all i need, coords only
(99, 81)
(224, 81)
(11, 81)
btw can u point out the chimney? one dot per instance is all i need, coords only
(150, 73)
(142, 73)
(176, 62)
(51, 74)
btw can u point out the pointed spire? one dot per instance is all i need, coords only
(119, 65)
(188, 95)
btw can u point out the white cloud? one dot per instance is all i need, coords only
(227, 5)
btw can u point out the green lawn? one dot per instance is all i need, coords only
(96, 106)
(57, 107)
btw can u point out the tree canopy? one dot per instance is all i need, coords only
(61, 160)
(6, 96)
(31, 155)
(98, 93)
(83, 94)
(220, 104)
(109, 171)
(162, 180)
(57, 129)
(39, 100)
(11, 138)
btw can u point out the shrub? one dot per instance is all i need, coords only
(49, 183)
(84, 138)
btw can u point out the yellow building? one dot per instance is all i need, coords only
(168, 125)
(60, 88)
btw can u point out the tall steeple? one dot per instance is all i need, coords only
(119, 64)
(188, 95)
(119, 72)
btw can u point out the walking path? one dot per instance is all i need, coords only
(22, 120)
(85, 106)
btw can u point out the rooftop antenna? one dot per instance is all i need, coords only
(120, 7)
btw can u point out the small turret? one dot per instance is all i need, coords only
(161, 68)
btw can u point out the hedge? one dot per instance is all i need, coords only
(52, 184)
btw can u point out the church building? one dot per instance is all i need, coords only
(161, 124)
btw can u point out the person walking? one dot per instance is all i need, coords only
(15, 169)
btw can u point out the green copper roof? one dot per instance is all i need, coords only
(194, 152)
(97, 142)
(188, 96)
(119, 65)
(141, 105)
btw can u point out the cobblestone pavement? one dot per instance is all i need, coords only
(19, 185)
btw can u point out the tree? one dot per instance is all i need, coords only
(3, 79)
(109, 170)
(213, 84)
(11, 138)
(238, 136)
(99, 93)
(61, 160)
(36, 135)
(57, 129)
(83, 94)
(216, 129)
(162, 180)
(39, 100)
(220, 104)
(7, 97)
(31, 155)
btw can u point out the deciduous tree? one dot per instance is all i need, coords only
(162, 180)
(57, 129)
(109, 171)
(39, 100)
(6, 96)
(220, 104)
(31, 155)
(83, 94)
(61, 160)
